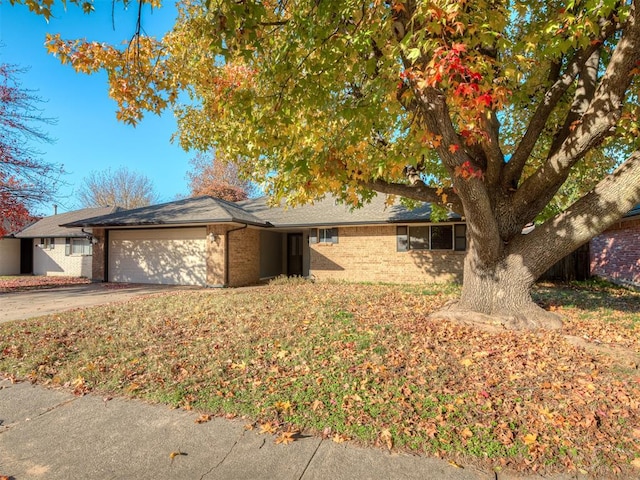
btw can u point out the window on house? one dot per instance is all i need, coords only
(441, 237)
(432, 237)
(402, 239)
(460, 237)
(323, 235)
(78, 246)
(47, 243)
(419, 238)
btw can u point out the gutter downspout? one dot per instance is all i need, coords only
(226, 252)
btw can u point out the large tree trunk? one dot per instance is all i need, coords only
(499, 296)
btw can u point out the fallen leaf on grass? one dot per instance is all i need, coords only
(386, 438)
(467, 362)
(283, 407)
(339, 438)
(466, 433)
(530, 439)
(636, 462)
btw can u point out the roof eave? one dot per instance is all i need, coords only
(165, 223)
(400, 221)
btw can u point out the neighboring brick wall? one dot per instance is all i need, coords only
(615, 254)
(369, 254)
(97, 264)
(9, 256)
(54, 262)
(244, 257)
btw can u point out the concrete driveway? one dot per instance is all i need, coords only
(33, 303)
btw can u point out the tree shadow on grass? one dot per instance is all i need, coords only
(588, 295)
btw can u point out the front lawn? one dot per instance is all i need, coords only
(363, 363)
(18, 283)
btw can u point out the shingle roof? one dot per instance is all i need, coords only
(327, 212)
(257, 212)
(50, 227)
(186, 211)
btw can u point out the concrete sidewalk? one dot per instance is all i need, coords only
(49, 434)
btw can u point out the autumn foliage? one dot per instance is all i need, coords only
(217, 177)
(14, 215)
(25, 179)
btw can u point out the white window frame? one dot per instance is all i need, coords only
(403, 234)
(47, 243)
(86, 247)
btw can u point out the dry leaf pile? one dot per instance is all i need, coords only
(36, 282)
(364, 363)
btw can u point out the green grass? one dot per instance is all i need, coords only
(361, 362)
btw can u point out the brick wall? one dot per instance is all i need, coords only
(55, 262)
(615, 254)
(370, 254)
(215, 255)
(97, 265)
(244, 257)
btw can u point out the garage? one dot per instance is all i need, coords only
(172, 256)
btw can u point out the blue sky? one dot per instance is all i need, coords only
(87, 135)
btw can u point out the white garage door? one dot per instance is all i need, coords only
(172, 256)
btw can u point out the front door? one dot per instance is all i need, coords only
(294, 254)
(26, 255)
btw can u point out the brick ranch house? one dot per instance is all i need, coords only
(210, 242)
(46, 248)
(615, 254)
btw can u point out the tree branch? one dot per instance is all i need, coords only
(613, 197)
(594, 126)
(417, 191)
(492, 150)
(513, 169)
(585, 92)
